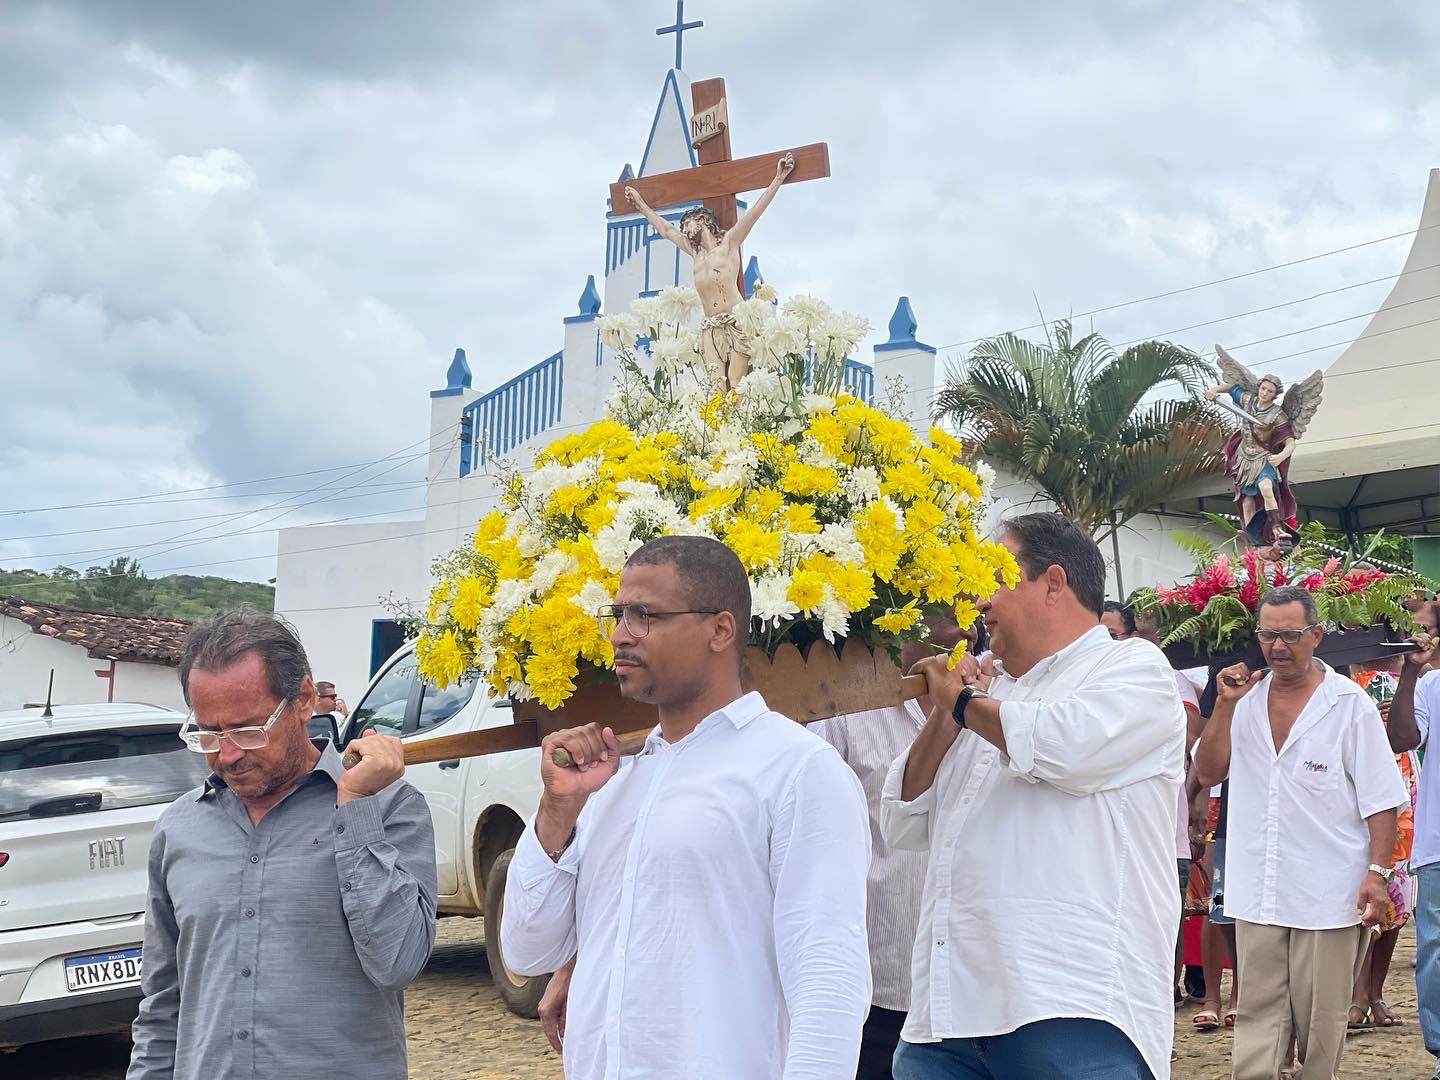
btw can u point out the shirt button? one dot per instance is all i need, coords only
(249, 912)
(629, 877)
(346, 887)
(340, 828)
(245, 972)
(620, 950)
(966, 799)
(242, 1035)
(609, 1021)
(939, 944)
(254, 858)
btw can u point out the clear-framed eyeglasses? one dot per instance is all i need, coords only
(637, 617)
(205, 741)
(1290, 637)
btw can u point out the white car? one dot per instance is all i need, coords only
(479, 805)
(79, 796)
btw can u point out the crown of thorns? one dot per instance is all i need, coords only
(707, 218)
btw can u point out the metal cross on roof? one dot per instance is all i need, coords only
(678, 29)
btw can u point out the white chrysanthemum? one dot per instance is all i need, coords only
(737, 469)
(677, 303)
(834, 617)
(751, 315)
(811, 310)
(839, 335)
(649, 314)
(613, 545)
(518, 690)
(815, 404)
(985, 475)
(764, 292)
(768, 601)
(530, 542)
(760, 388)
(618, 332)
(548, 568)
(780, 337)
(592, 596)
(510, 594)
(861, 484)
(672, 355)
(838, 540)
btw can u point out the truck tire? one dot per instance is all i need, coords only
(520, 993)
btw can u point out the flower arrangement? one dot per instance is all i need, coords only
(847, 523)
(1216, 608)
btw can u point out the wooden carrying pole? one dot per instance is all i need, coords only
(805, 688)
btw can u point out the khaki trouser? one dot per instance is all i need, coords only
(1290, 976)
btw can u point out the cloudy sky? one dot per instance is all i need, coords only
(241, 241)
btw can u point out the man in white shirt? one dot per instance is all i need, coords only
(1314, 791)
(1047, 924)
(711, 889)
(1413, 713)
(869, 743)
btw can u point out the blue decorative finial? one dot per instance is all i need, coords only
(590, 298)
(627, 173)
(902, 330)
(753, 276)
(457, 379)
(678, 29)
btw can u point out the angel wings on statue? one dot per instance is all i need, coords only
(1258, 453)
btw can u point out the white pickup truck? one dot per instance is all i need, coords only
(479, 805)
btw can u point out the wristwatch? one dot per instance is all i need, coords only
(1386, 872)
(957, 713)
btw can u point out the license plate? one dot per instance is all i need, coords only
(100, 970)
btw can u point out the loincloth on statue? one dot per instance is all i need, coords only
(721, 339)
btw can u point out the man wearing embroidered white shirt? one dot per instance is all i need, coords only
(1314, 790)
(1047, 925)
(712, 889)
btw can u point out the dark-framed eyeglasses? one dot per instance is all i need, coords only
(207, 741)
(322, 697)
(1290, 637)
(637, 617)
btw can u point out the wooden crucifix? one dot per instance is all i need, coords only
(715, 181)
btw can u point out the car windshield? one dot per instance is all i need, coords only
(79, 772)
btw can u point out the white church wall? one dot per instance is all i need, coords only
(1148, 552)
(331, 592)
(157, 684)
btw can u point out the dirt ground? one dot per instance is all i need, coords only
(460, 1030)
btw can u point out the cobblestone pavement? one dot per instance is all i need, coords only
(460, 1030)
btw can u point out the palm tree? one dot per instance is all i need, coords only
(1072, 418)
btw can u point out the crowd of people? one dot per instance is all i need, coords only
(985, 882)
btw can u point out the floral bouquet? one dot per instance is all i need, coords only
(848, 524)
(1216, 609)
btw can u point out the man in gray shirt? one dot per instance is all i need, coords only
(290, 900)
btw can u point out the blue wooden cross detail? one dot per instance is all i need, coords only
(678, 29)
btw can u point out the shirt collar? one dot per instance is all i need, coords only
(739, 712)
(329, 764)
(1093, 636)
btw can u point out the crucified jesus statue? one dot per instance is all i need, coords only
(717, 269)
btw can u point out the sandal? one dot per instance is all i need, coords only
(1207, 1019)
(1383, 1014)
(1354, 1023)
(1230, 1018)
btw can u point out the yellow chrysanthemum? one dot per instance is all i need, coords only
(806, 590)
(754, 546)
(441, 660)
(896, 620)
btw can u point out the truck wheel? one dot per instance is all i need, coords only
(520, 993)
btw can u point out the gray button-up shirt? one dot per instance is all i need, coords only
(282, 949)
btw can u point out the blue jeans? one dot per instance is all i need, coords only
(1427, 954)
(1067, 1049)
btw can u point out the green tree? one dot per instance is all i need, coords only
(121, 587)
(1080, 421)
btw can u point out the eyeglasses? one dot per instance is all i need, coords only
(322, 697)
(1290, 637)
(205, 741)
(636, 617)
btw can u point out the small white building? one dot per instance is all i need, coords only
(96, 656)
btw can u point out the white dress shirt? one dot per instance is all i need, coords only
(1050, 890)
(715, 890)
(1426, 848)
(1190, 700)
(870, 742)
(1296, 843)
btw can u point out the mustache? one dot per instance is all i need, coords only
(629, 658)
